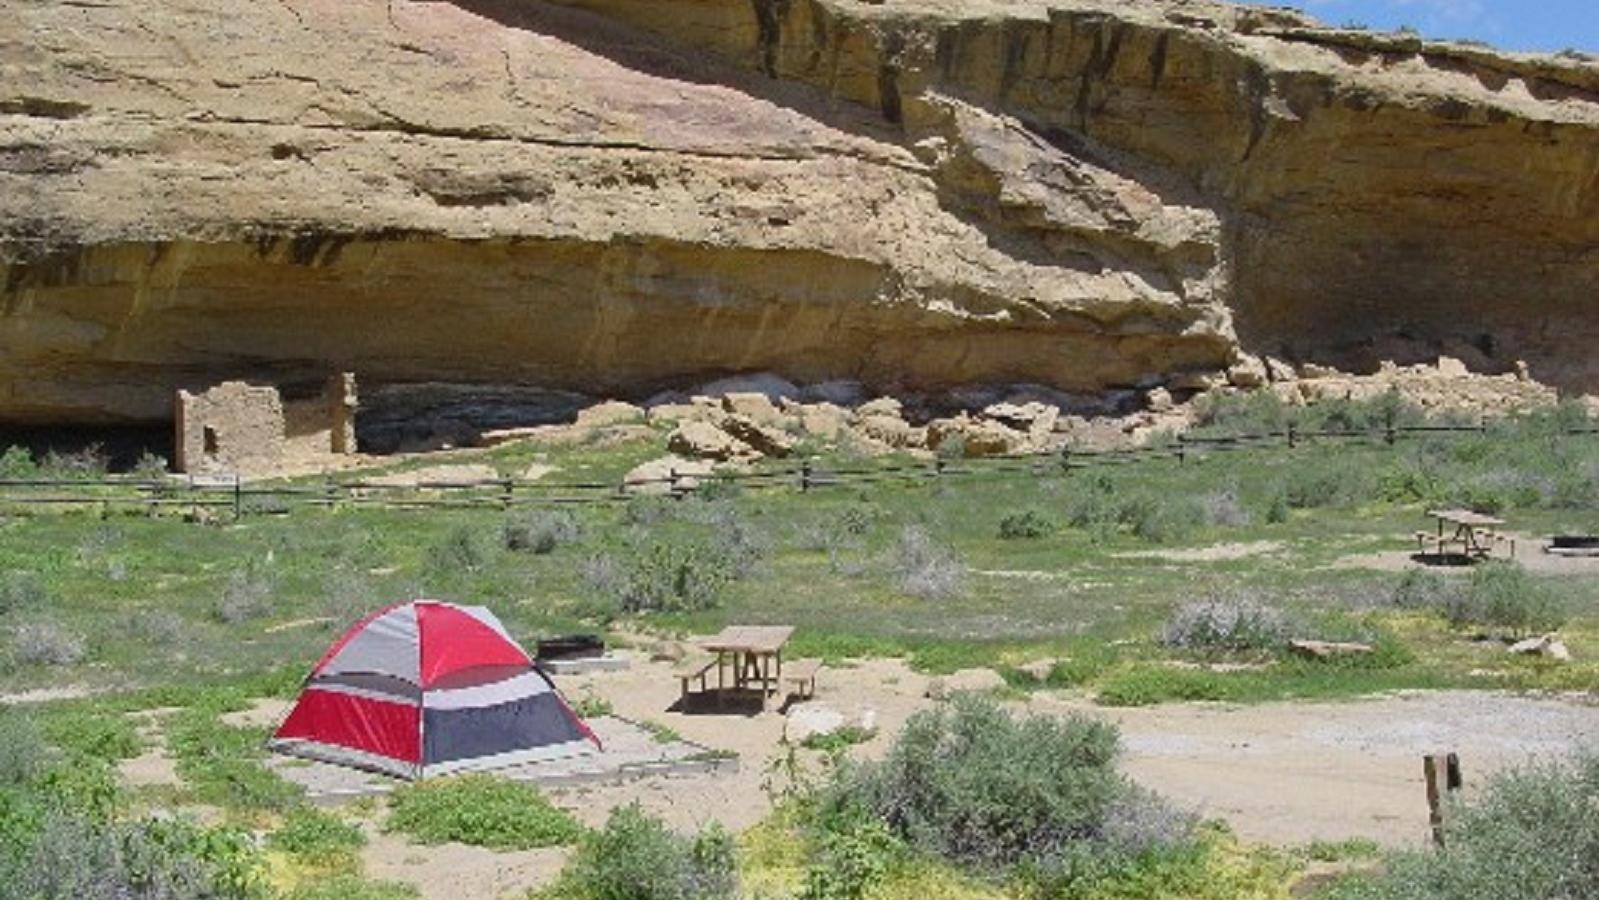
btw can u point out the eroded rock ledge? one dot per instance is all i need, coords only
(619, 196)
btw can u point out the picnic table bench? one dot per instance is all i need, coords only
(801, 674)
(754, 654)
(1474, 535)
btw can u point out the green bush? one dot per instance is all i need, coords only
(317, 838)
(854, 853)
(839, 739)
(1025, 525)
(17, 462)
(483, 810)
(636, 857)
(105, 735)
(675, 576)
(1498, 595)
(926, 569)
(460, 551)
(539, 531)
(1502, 595)
(1160, 519)
(1148, 685)
(20, 592)
(1532, 833)
(969, 783)
(23, 753)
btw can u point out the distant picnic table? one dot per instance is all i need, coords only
(1473, 534)
(756, 653)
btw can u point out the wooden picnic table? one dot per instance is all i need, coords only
(757, 656)
(1474, 532)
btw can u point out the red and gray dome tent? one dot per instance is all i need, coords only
(427, 688)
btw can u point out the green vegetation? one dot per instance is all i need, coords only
(483, 810)
(1531, 833)
(636, 857)
(318, 838)
(839, 739)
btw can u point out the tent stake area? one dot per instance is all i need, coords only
(631, 752)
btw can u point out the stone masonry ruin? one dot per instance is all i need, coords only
(244, 428)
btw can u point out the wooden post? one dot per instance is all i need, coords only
(510, 488)
(1182, 449)
(805, 477)
(1066, 458)
(671, 486)
(238, 497)
(1291, 437)
(1442, 771)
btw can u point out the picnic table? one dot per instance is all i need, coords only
(756, 654)
(1473, 533)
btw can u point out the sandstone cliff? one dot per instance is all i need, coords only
(619, 195)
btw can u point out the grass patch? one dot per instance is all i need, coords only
(839, 739)
(482, 810)
(319, 839)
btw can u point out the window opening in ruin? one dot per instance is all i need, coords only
(210, 438)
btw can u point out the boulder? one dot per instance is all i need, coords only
(882, 406)
(611, 412)
(975, 437)
(811, 719)
(1450, 367)
(891, 431)
(767, 440)
(1329, 649)
(754, 406)
(1312, 370)
(1279, 371)
(1549, 646)
(702, 440)
(655, 476)
(1159, 400)
(674, 412)
(823, 420)
(668, 651)
(1029, 417)
(1248, 372)
(963, 681)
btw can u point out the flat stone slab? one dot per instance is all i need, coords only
(610, 662)
(630, 752)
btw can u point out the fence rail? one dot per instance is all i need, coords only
(240, 498)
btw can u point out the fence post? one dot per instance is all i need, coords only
(1292, 441)
(238, 497)
(672, 483)
(1182, 449)
(805, 477)
(938, 468)
(510, 487)
(1066, 458)
(1442, 771)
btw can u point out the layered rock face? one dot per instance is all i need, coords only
(615, 196)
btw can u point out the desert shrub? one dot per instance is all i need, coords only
(1530, 833)
(1094, 505)
(838, 739)
(971, 784)
(539, 531)
(636, 857)
(738, 542)
(1224, 508)
(21, 591)
(482, 810)
(1277, 508)
(1314, 488)
(47, 644)
(459, 551)
(87, 462)
(1226, 624)
(1159, 519)
(925, 569)
(1421, 589)
(1024, 525)
(17, 462)
(318, 838)
(675, 576)
(23, 753)
(150, 467)
(247, 594)
(70, 853)
(648, 510)
(1502, 595)
(156, 627)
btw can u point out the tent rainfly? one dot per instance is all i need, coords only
(428, 688)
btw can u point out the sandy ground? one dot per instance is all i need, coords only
(1213, 553)
(1529, 552)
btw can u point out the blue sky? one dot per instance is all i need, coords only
(1512, 24)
